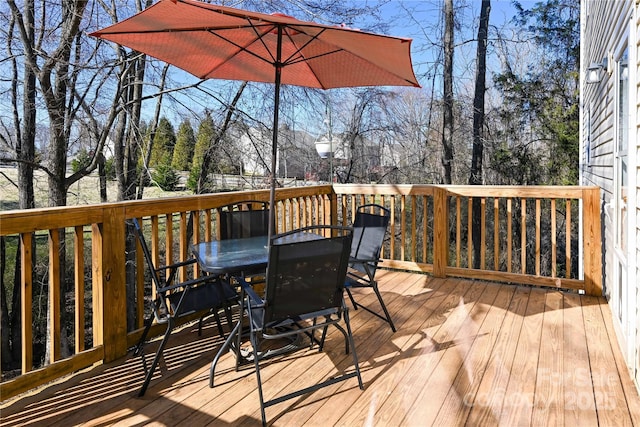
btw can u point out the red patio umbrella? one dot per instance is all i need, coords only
(211, 41)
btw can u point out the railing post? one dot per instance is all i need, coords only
(109, 289)
(333, 205)
(440, 231)
(592, 241)
(26, 294)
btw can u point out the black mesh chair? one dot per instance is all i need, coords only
(249, 218)
(304, 292)
(240, 220)
(369, 228)
(177, 299)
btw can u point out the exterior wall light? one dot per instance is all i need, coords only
(595, 71)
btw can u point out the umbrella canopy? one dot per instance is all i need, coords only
(211, 41)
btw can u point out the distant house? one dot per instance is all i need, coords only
(254, 147)
(298, 153)
(295, 151)
(610, 154)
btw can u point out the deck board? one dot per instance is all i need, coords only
(519, 396)
(489, 397)
(465, 353)
(609, 394)
(455, 409)
(457, 335)
(548, 405)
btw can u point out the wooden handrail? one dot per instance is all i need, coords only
(530, 235)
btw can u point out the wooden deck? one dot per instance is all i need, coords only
(466, 352)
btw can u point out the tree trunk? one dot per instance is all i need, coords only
(478, 124)
(54, 78)
(102, 174)
(447, 127)
(25, 155)
(25, 149)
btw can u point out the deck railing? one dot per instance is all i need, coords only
(76, 258)
(542, 236)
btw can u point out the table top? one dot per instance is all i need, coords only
(238, 255)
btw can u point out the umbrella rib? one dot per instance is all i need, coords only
(242, 49)
(299, 49)
(300, 56)
(308, 58)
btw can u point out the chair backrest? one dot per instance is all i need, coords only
(147, 254)
(153, 269)
(369, 228)
(306, 274)
(249, 218)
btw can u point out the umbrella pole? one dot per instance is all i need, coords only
(274, 143)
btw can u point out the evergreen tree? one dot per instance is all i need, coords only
(541, 106)
(206, 134)
(185, 144)
(164, 141)
(165, 176)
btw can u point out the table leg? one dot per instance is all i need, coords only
(224, 347)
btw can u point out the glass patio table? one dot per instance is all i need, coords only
(234, 256)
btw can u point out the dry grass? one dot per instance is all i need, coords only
(84, 192)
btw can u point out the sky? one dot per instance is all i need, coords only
(417, 19)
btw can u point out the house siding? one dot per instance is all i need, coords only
(606, 29)
(636, 60)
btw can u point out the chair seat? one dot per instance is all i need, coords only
(258, 316)
(201, 297)
(357, 279)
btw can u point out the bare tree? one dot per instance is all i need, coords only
(24, 150)
(447, 123)
(478, 124)
(54, 77)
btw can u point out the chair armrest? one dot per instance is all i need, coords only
(254, 298)
(176, 265)
(362, 260)
(173, 270)
(367, 264)
(188, 283)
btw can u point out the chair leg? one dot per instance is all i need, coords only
(324, 335)
(227, 312)
(140, 346)
(147, 325)
(384, 307)
(346, 337)
(254, 344)
(156, 359)
(354, 355)
(386, 317)
(216, 316)
(353, 301)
